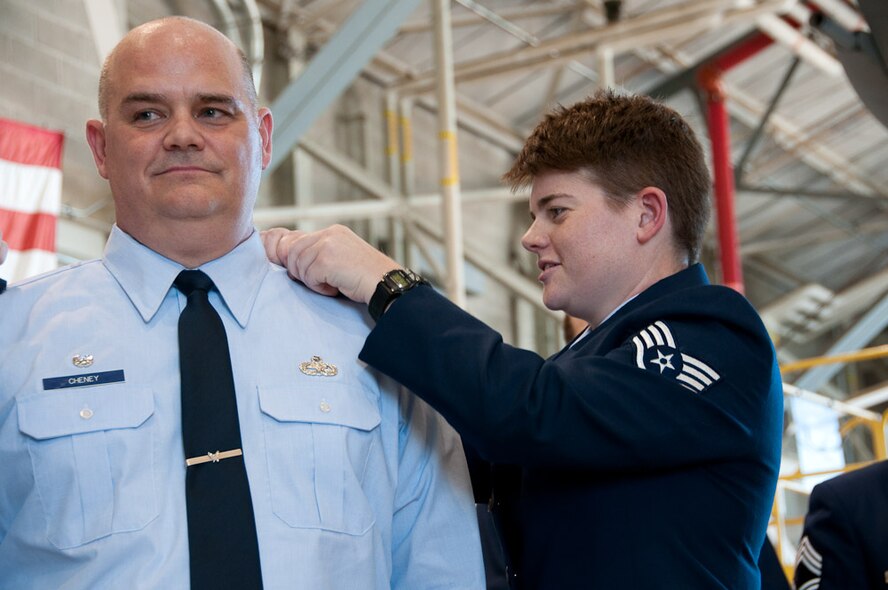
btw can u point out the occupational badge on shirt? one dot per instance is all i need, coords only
(82, 361)
(316, 367)
(655, 350)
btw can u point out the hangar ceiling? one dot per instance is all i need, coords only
(810, 157)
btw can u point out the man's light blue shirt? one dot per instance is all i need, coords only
(355, 482)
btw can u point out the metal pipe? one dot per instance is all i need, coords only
(392, 150)
(870, 398)
(337, 211)
(786, 34)
(759, 130)
(740, 52)
(257, 41)
(229, 23)
(408, 166)
(447, 153)
(709, 78)
(647, 29)
(834, 404)
(723, 177)
(873, 352)
(509, 14)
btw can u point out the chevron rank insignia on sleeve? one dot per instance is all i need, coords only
(809, 566)
(655, 350)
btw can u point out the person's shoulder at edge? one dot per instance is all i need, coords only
(690, 294)
(865, 478)
(342, 312)
(41, 282)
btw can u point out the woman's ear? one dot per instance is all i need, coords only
(654, 207)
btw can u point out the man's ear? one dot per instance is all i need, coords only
(653, 209)
(266, 125)
(95, 137)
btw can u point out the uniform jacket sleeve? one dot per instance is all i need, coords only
(587, 408)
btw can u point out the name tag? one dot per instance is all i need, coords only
(83, 380)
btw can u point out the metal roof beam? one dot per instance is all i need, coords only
(789, 136)
(862, 333)
(511, 14)
(337, 63)
(628, 34)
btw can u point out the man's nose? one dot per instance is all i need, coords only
(183, 132)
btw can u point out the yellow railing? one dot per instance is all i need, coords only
(863, 354)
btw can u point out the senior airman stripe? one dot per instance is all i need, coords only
(656, 350)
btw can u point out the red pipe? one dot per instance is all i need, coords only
(741, 53)
(709, 79)
(723, 177)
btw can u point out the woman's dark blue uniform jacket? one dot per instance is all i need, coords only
(645, 456)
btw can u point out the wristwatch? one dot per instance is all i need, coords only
(394, 283)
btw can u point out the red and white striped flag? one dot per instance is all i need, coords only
(30, 197)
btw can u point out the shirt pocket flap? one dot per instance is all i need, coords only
(334, 403)
(53, 414)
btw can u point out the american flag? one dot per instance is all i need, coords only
(30, 197)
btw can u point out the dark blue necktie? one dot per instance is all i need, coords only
(222, 541)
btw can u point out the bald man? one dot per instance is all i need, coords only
(350, 481)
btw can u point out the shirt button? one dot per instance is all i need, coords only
(86, 413)
(325, 407)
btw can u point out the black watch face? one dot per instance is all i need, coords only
(400, 280)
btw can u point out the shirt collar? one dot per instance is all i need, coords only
(589, 328)
(692, 276)
(147, 277)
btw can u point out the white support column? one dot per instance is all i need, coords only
(392, 153)
(604, 55)
(448, 155)
(302, 184)
(107, 19)
(407, 171)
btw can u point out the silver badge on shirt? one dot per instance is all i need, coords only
(316, 367)
(82, 361)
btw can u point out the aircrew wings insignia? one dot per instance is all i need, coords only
(655, 350)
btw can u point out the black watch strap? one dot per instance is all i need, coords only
(393, 284)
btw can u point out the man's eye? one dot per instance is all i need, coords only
(555, 212)
(145, 116)
(213, 113)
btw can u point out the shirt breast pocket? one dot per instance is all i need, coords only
(318, 439)
(92, 452)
